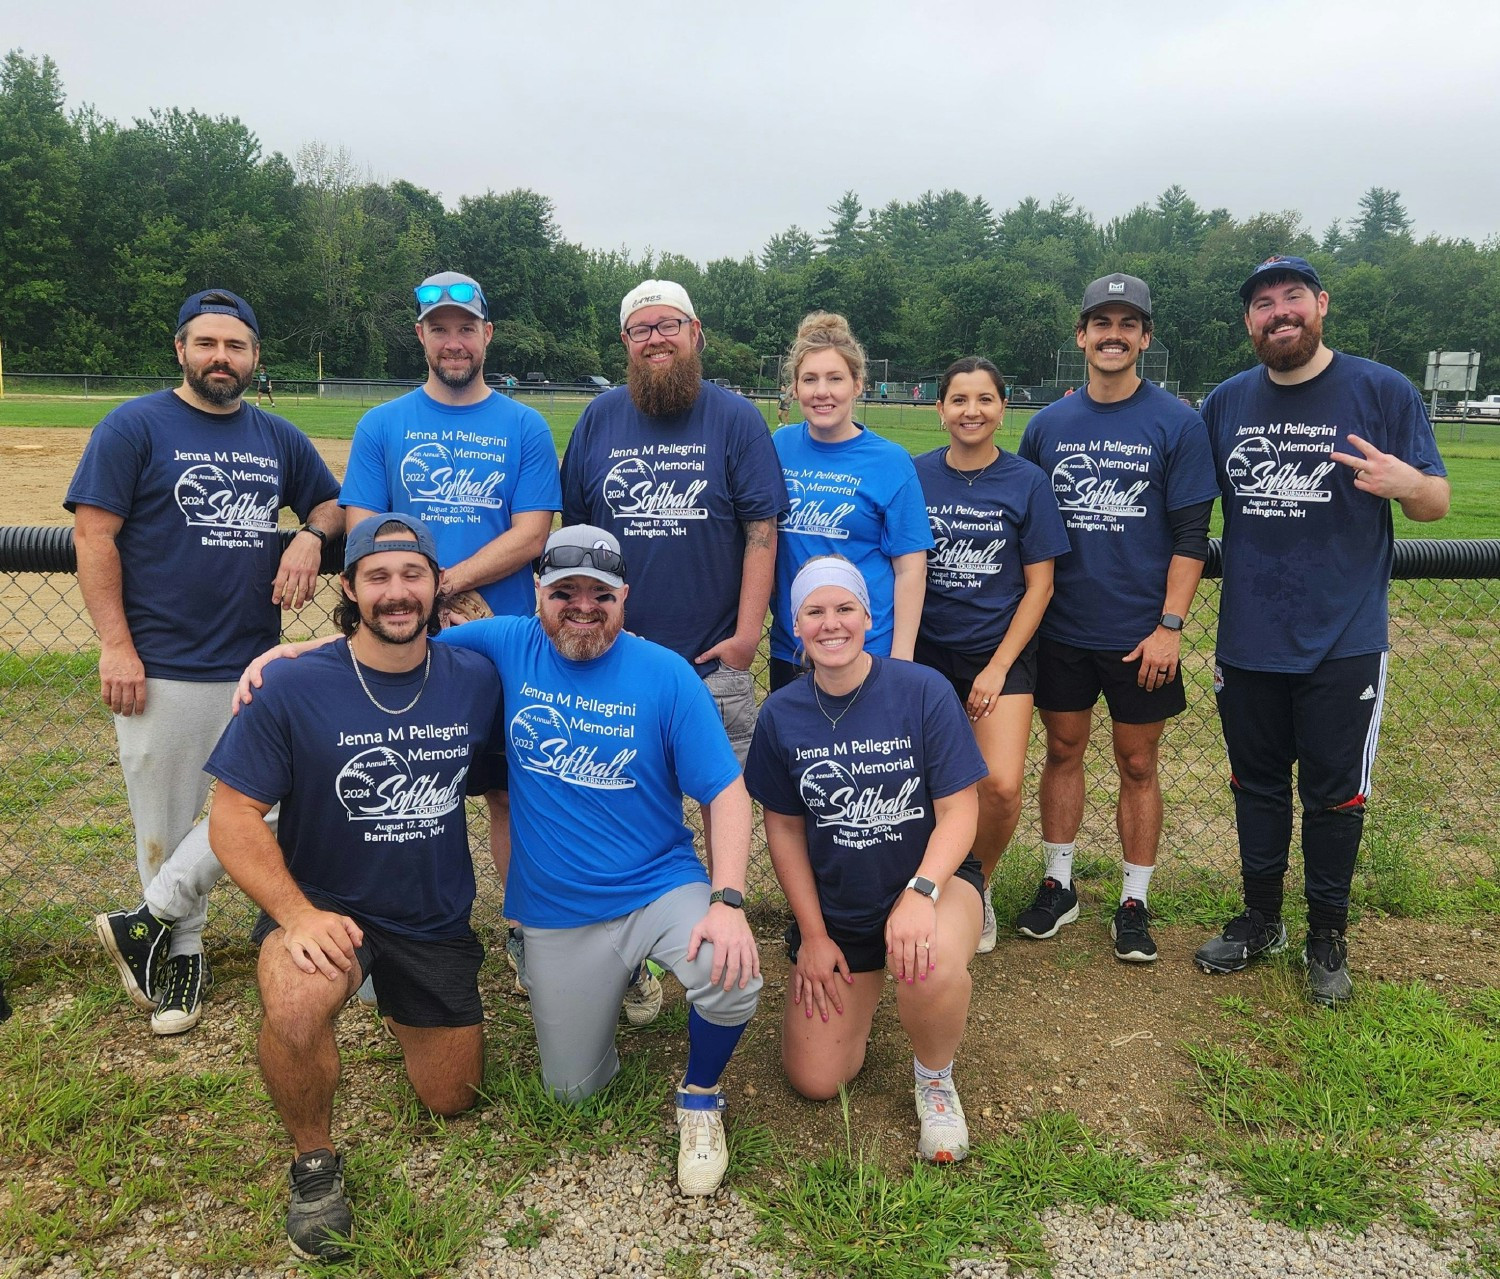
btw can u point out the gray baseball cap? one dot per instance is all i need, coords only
(1126, 290)
(582, 550)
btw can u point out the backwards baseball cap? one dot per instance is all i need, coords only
(451, 288)
(1276, 265)
(362, 540)
(218, 302)
(656, 293)
(1127, 290)
(582, 550)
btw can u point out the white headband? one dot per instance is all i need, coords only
(828, 570)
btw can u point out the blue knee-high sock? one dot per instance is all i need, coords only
(709, 1049)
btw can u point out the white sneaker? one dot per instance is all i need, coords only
(945, 1132)
(988, 932)
(643, 998)
(702, 1151)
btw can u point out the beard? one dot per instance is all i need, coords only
(372, 623)
(457, 381)
(220, 393)
(669, 391)
(582, 646)
(1280, 357)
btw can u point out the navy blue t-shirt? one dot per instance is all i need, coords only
(987, 531)
(865, 788)
(677, 492)
(1307, 556)
(1117, 470)
(199, 493)
(600, 754)
(372, 805)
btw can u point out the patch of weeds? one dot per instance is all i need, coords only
(1304, 1186)
(400, 1229)
(533, 1227)
(1202, 898)
(683, 1263)
(845, 1215)
(1391, 876)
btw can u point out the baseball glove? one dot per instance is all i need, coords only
(466, 606)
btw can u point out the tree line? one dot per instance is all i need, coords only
(104, 228)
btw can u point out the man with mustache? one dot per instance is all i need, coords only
(1311, 449)
(684, 474)
(175, 507)
(1131, 469)
(365, 745)
(476, 466)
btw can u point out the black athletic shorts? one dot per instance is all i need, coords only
(866, 951)
(417, 983)
(961, 669)
(1071, 679)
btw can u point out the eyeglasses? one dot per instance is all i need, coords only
(599, 557)
(668, 328)
(462, 293)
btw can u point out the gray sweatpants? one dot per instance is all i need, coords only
(577, 978)
(162, 754)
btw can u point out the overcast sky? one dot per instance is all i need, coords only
(704, 128)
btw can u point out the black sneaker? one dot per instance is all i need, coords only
(184, 982)
(1247, 936)
(1133, 940)
(1325, 954)
(319, 1221)
(1052, 907)
(137, 941)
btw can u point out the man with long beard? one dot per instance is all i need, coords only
(175, 507)
(1311, 449)
(684, 474)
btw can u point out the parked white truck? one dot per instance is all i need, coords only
(1487, 407)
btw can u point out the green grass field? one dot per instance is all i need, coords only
(1473, 460)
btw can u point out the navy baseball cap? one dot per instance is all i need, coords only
(361, 540)
(1278, 265)
(1126, 290)
(218, 302)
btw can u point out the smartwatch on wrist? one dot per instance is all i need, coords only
(729, 896)
(921, 884)
(316, 532)
(1170, 622)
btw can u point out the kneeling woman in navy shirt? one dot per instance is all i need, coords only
(867, 772)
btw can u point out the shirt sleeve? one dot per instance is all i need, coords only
(254, 754)
(756, 480)
(108, 472)
(704, 761)
(1044, 536)
(365, 482)
(952, 755)
(767, 776)
(906, 527)
(575, 501)
(311, 483)
(538, 486)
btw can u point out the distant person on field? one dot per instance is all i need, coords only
(1131, 470)
(1311, 448)
(175, 506)
(365, 745)
(263, 386)
(477, 467)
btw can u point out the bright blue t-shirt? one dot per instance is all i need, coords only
(677, 493)
(372, 804)
(463, 470)
(600, 754)
(858, 498)
(199, 493)
(1307, 556)
(1117, 470)
(988, 528)
(866, 788)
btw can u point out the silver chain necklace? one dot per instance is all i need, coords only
(833, 720)
(359, 675)
(967, 476)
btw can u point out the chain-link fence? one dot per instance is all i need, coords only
(68, 851)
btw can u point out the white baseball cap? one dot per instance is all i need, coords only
(656, 293)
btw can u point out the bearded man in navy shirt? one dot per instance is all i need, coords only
(1311, 448)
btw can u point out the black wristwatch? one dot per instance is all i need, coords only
(729, 896)
(921, 884)
(1170, 622)
(316, 532)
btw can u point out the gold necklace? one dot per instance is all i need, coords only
(833, 720)
(359, 675)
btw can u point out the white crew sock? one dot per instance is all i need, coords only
(1059, 862)
(1137, 882)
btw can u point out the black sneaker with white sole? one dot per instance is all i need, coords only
(1053, 906)
(137, 941)
(1246, 937)
(184, 982)
(1133, 941)
(319, 1219)
(1326, 955)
